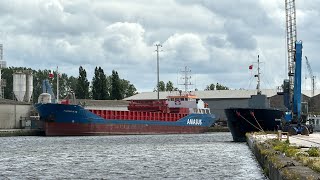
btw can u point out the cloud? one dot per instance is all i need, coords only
(239, 36)
(187, 48)
(216, 39)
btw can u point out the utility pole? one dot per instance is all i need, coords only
(57, 85)
(157, 50)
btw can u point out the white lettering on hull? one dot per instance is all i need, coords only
(70, 111)
(194, 122)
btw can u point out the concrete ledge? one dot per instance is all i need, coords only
(218, 129)
(276, 165)
(20, 132)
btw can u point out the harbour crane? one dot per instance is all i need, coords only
(294, 118)
(312, 77)
(291, 29)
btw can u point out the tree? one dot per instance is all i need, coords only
(162, 87)
(103, 79)
(116, 88)
(221, 87)
(169, 86)
(210, 87)
(96, 87)
(128, 89)
(8, 78)
(99, 85)
(71, 84)
(82, 90)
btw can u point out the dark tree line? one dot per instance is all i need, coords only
(165, 87)
(169, 87)
(103, 87)
(216, 87)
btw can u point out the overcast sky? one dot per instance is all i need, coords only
(216, 39)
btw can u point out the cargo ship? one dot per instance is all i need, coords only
(258, 116)
(179, 113)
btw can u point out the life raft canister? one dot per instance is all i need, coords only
(177, 102)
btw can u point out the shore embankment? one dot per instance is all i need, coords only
(282, 157)
(20, 132)
(218, 129)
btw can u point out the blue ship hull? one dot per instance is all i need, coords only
(63, 119)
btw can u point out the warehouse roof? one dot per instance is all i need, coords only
(215, 94)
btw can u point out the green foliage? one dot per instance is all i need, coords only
(285, 147)
(162, 86)
(271, 148)
(221, 87)
(313, 152)
(82, 90)
(38, 77)
(127, 88)
(99, 85)
(210, 87)
(216, 87)
(116, 87)
(165, 87)
(169, 86)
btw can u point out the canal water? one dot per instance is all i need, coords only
(190, 156)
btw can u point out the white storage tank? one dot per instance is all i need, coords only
(44, 98)
(19, 85)
(29, 87)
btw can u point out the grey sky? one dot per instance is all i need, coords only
(216, 39)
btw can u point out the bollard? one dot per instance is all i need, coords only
(280, 133)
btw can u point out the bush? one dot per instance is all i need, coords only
(313, 152)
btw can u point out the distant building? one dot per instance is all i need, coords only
(218, 100)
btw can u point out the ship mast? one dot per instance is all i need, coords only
(258, 78)
(186, 78)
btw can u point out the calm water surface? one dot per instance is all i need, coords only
(196, 156)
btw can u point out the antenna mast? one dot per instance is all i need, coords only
(186, 78)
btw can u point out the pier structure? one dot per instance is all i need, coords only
(287, 157)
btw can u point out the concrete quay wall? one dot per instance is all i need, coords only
(276, 165)
(10, 115)
(20, 132)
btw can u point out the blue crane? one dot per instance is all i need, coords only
(294, 119)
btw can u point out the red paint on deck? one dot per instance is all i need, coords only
(138, 115)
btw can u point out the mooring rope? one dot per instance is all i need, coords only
(248, 121)
(252, 114)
